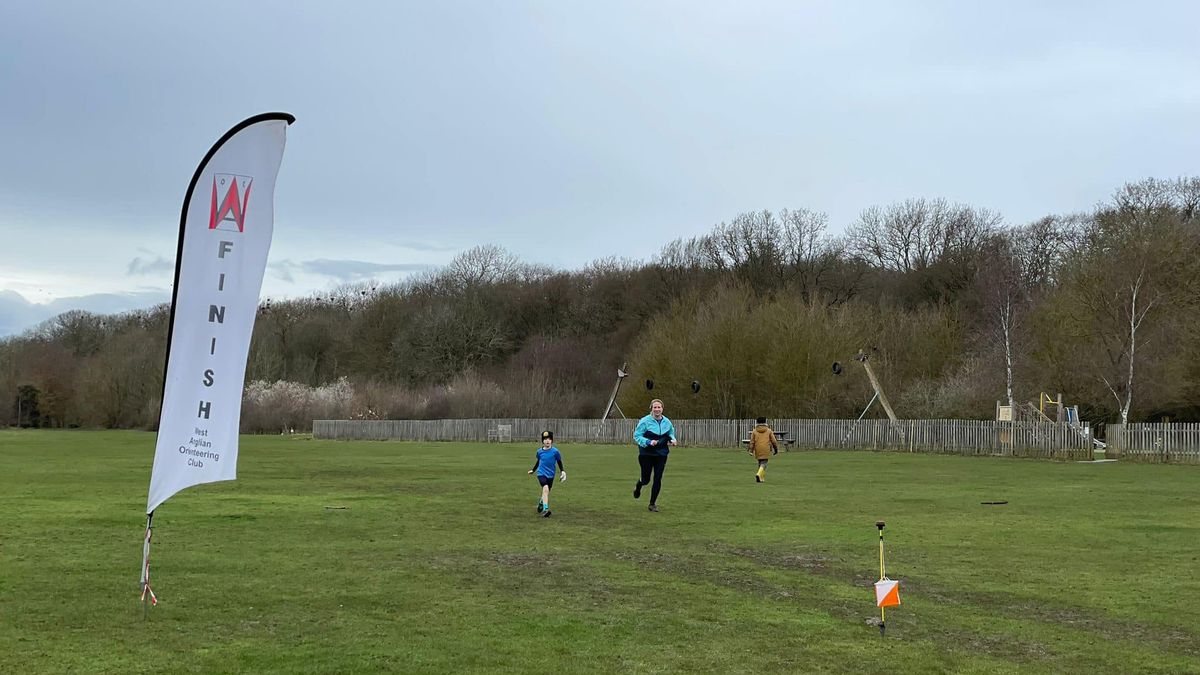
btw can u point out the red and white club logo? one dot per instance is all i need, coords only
(230, 197)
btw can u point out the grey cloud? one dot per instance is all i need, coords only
(417, 245)
(18, 314)
(550, 134)
(283, 271)
(342, 270)
(147, 266)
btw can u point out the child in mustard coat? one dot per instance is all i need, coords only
(763, 444)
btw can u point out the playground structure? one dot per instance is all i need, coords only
(863, 358)
(612, 399)
(1047, 409)
(611, 406)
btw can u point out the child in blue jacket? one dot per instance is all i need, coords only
(548, 457)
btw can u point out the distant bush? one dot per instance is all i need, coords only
(269, 407)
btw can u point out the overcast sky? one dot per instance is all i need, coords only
(563, 131)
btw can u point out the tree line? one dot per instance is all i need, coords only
(956, 310)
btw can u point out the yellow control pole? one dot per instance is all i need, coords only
(882, 611)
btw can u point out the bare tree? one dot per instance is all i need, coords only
(1018, 267)
(916, 234)
(814, 257)
(482, 265)
(1131, 265)
(766, 250)
(1003, 295)
(1041, 248)
(681, 255)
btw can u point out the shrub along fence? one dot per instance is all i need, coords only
(961, 437)
(1159, 443)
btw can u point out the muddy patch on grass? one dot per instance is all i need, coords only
(740, 569)
(1169, 639)
(522, 560)
(810, 562)
(423, 488)
(527, 574)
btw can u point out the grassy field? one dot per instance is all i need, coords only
(439, 563)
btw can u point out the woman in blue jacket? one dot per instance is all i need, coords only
(654, 436)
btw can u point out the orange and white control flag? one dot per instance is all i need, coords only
(887, 593)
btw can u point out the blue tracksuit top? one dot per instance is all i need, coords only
(662, 430)
(546, 461)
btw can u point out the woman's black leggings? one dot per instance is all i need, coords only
(657, 465)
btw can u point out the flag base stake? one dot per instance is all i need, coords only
(148, 598)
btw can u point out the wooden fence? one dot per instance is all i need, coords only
(1159, 443)
(960, 437)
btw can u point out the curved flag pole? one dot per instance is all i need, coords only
(264, 160)
(187, 199)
